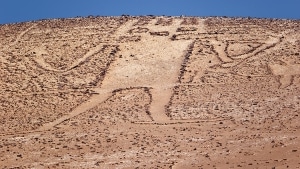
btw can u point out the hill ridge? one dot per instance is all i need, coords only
(151, 91)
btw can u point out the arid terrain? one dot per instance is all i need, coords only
(150, 92)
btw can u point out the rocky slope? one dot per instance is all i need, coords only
(150, 92)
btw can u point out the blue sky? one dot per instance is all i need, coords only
(12, 11)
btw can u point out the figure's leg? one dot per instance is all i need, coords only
(100, 96)
(160, 98)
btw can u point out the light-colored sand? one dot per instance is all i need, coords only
(150, 92)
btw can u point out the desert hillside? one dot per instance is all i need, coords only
(150, 92)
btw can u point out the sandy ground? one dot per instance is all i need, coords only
(150, 92)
